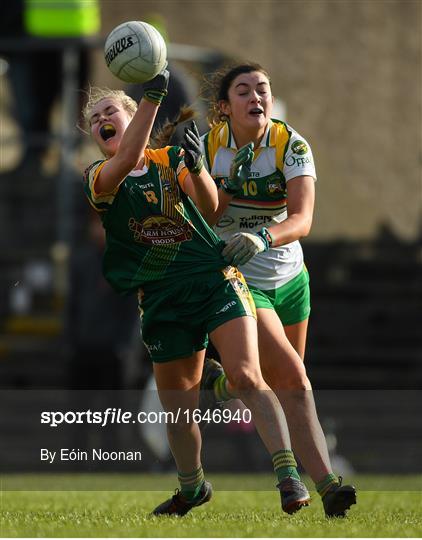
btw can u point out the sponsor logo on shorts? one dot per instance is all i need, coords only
(226, 307)
(154, 347)
(159, 230)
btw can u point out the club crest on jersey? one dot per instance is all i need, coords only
(276, 187)
(159, 230)
(299, 148)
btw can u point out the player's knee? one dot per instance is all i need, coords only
(298, 382)
(245, 380)
(288, 379)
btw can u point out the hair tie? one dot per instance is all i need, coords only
(175, 123)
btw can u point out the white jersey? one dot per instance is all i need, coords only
(282, 155)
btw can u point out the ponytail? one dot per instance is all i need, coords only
(164, 134)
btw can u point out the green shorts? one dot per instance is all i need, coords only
(176, 321)
(291, 301)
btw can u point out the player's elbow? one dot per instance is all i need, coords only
(305, 226)
(212, 206)
(211, 218)
(306, 229)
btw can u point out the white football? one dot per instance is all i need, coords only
(135, 52)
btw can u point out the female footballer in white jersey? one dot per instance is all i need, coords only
(262, 214)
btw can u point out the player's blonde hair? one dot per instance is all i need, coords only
(216, 88)
(96, 94)
(160, 138)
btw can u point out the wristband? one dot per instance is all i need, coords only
(266, 236)
(155, 96)
(197, 168)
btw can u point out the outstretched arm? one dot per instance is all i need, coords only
(136, 137)
(300, 209)
(300, 206)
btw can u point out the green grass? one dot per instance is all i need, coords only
(229, 514)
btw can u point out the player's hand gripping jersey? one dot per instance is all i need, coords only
(154, 233)
(281, 156)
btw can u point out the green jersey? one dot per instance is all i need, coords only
(155, 236)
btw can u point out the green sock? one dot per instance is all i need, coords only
(285, 465)
(220, 389)
(326, 483)
(191, 483)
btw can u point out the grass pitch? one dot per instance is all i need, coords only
(125, 513)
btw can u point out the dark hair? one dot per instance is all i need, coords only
(218, 84)
(229, 77)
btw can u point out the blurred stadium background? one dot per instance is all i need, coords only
(348, 77)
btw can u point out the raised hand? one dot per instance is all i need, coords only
(155, 90)
(192, 146)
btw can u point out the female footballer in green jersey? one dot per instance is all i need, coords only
(158, 244)
(262, 218)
